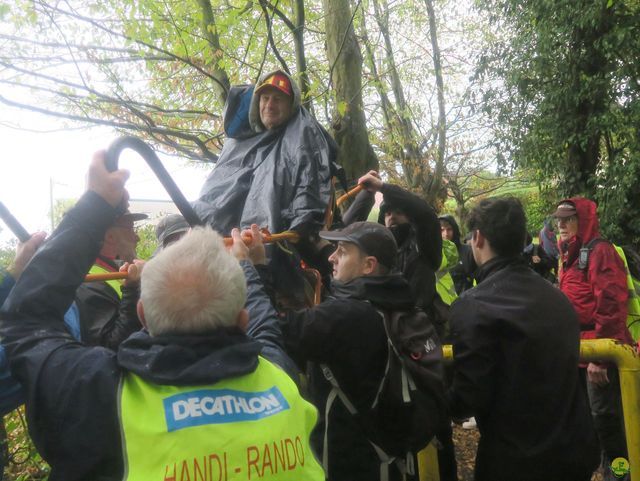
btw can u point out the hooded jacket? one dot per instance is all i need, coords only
(278, 178)
(347, 333)
(462, 273)
(72, 389)
(419, 241)
(598, 293)
(516, 344)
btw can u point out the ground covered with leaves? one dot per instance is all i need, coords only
(466, 442)
(25, 464)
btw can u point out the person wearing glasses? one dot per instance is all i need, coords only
(592, 275)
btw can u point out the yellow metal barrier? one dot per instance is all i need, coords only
(628, 362)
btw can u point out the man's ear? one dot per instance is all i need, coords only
(479, 239)
(369, 266)
(242, 321)
(140, 311)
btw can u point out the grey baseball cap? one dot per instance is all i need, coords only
(374, 240)
(170, 225)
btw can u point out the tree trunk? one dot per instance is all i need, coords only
(210, 32)
(436, 192)
(301, 59)
(348, 124)
(414, 166)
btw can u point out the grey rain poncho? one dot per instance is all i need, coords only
(279, 179)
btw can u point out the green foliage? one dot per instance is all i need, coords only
(60, 208)
(563, 90)
(7, 251)
(537, 205)
(147, 243)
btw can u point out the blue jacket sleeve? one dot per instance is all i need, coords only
(11, 393)
(263, 322)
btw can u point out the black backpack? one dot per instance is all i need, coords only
(409, 406)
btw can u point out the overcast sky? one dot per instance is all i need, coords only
(38, 151)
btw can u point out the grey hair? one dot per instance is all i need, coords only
(192, 286)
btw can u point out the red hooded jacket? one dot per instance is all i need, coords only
(599, 293)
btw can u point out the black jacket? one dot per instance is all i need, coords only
(105, 319)
(547, 264)
(72, 388)
(516, 347)
(462, 273)
(419, 243)
(347, 334)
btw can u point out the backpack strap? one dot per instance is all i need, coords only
(407, 381)
(585, 250)
(337, 392)
(594, 242)
(406, 466)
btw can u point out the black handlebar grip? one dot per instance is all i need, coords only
(133, 143)
(13, 224)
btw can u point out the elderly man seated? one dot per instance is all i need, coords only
(275, 171)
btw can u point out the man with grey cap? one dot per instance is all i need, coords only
(346, 334)
(170, 229)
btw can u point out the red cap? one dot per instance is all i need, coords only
(565, 209)
(278, 81)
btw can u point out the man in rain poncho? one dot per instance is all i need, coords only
(274, 170)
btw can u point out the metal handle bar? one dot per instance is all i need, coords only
(13, 224)
(133, 143)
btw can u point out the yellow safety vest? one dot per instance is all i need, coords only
(116, 285)
(444, 282)
(255, 426)
(633, 303)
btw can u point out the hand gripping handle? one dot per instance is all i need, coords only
(133, 143)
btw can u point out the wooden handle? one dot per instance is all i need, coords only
(349, 194)
(107, 276)
(228, 242)
(267, 238)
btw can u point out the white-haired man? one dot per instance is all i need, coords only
(195, 397)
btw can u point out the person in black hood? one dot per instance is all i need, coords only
(414, 226)
(205, 381)
(516, 340)
(346, 333)
(462, 274)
